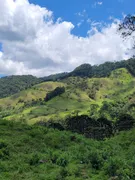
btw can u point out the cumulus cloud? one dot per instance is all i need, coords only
(32, 43)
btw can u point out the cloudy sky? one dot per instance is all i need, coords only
(42, 37)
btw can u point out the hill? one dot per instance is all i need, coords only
(96, 97)
(13, 84)
(102, 70)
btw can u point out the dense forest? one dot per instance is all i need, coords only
(103, 70)
(12, 84)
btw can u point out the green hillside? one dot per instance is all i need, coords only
(103, 108)
(13, 84)
(110, 95)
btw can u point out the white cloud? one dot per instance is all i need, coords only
(34, 44)
(80, 23)
(100, 3)
(83, 16)
(97, 3)
(82, 13)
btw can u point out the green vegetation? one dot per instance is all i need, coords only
(36, 152)
(55, 77)
(96, 97)
(97, 102)
(56, 92)
(98, 129)
(102, 70)
(13, 84)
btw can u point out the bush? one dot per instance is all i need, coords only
(125, 122)
(4, 152)
(34, 160)
(56, 92)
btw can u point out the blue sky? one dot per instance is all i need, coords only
(33, 40)
(99, 11)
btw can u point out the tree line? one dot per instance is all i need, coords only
(102, 70)
(91, 128)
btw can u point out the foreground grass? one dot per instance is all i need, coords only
(35, 152)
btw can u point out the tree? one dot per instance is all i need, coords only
(105, 109)
(56, 92)
(79, 123)
(125, 122)
(128, 25)
(93, 109)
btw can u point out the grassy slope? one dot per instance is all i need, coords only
(32, 152)
(119, 86)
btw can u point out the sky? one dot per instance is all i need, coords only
(43, 37)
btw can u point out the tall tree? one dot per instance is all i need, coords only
(127, 28)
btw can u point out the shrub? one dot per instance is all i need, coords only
(34, 160)
(56, 92)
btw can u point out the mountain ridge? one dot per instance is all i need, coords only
(85, 70)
